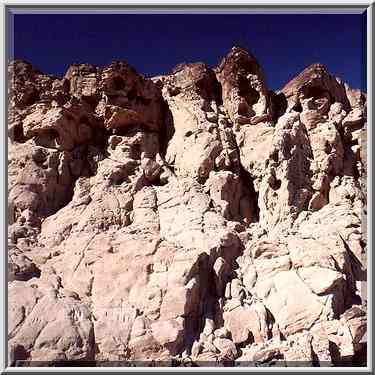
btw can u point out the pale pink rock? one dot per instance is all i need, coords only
(195, 216)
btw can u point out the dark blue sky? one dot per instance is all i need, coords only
(154, 44)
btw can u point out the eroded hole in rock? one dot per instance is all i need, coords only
(174, 90)
(246, 91)
(118, 83)
(53, 133)
(203, 88)
(32, 98)
(243, 109)
(248, 182)
(275, 156)
(92, 100)
(16, 133)
(315, 92)
(278, 104)
(118, 181)
(249, 65)
(136, 151)
(297, 107)
(327, 147)
(24, 276)
(132, 94)
(218, 91)
(48, 138)
(167, 129)
(99, 139)
(276, 184)
(209, 88)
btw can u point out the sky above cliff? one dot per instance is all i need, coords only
(283, 44)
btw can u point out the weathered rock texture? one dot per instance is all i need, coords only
(192, 218)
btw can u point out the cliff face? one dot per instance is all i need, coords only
(193, 217)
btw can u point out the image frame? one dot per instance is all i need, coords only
(9, 8)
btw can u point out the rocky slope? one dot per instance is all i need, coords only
(189, 219)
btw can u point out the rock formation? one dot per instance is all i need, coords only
(195, 218)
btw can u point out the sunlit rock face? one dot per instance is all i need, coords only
(195, 218)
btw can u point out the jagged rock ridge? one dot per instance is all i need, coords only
(196, 217)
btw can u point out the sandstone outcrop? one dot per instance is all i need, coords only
(195, 218)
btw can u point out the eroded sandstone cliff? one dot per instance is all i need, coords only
(196, 217)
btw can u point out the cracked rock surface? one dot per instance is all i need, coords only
(195, 218)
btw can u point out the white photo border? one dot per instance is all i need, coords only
(9, 7)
